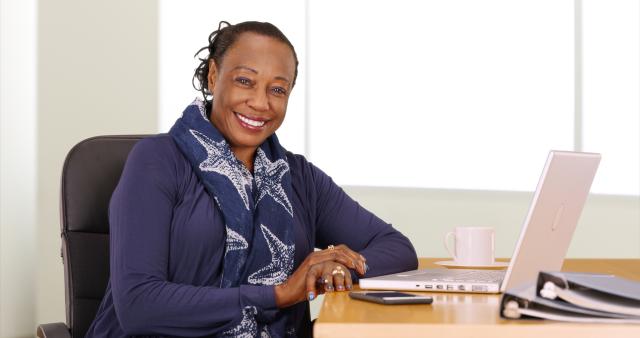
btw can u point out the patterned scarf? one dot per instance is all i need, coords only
(256, 209)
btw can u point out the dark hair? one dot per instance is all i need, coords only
(220, 41)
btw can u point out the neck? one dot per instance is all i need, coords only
(246, 155)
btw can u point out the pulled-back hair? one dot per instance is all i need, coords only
(221, 40)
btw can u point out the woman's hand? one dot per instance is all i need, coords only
(330, 267)
(335, 276)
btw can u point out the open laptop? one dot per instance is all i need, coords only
(545, 237)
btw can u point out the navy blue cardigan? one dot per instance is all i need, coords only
(167, 247)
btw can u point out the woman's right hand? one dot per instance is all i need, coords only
(322, 265)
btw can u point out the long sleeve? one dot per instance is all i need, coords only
(341, 220)
(145, 300)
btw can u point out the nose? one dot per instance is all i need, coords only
(259, 100)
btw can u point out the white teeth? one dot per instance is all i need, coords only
(249, 121)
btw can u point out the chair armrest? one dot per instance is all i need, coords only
(53, 330)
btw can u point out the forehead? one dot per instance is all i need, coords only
(263, 53)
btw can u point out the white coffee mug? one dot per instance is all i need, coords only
(473, 246)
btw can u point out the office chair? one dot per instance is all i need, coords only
(90, 173)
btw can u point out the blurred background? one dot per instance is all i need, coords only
(432, 114)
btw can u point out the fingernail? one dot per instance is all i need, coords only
(311, 295)
(329, 287)
(366, 267)
(364, 259)
(349, 287)
(340, 288)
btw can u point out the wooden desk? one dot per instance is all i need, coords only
(462, 315)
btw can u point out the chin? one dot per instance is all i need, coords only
(249, 141)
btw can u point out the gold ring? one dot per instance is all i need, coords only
(331, 247)
(336, 271)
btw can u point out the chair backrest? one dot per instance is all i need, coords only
(91, 172)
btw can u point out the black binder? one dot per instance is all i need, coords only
(576, 297)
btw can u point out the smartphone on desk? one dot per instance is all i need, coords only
(390, 297)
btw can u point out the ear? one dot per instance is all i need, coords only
(212, 76)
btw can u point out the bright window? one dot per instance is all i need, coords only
(448, 94)
(611, 92)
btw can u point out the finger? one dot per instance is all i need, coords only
(348, 283)
(359, 259)
(313, 274)
(348, 251)
(339, 274)
(338, 256)
(353, 254)
(327, 278)
(345, 257)
(320, 286)
(355, 262)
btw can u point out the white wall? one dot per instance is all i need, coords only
(97, 74)
(17, 166)
(609, 226)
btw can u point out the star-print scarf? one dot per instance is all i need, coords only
(256, 209)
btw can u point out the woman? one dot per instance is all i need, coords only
(214, 225)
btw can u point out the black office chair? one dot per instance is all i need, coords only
(91, 172)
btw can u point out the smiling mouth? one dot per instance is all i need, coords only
(250, 122)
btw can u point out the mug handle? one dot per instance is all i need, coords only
(446, 244)
(493, 247)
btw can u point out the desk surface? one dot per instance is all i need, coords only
(462, 315)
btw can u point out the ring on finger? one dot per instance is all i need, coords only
(337, 271)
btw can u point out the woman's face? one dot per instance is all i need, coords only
(251, 89)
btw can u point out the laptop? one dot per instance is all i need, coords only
(544, 239)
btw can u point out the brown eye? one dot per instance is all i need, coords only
(243, 81)
(279, 91)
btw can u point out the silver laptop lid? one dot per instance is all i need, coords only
(553, 215)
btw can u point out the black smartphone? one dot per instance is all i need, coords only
(390, 297)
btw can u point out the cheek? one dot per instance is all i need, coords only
(234, 96)
(226, 97)
(280, 106)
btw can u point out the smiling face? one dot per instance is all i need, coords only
(251, 90)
